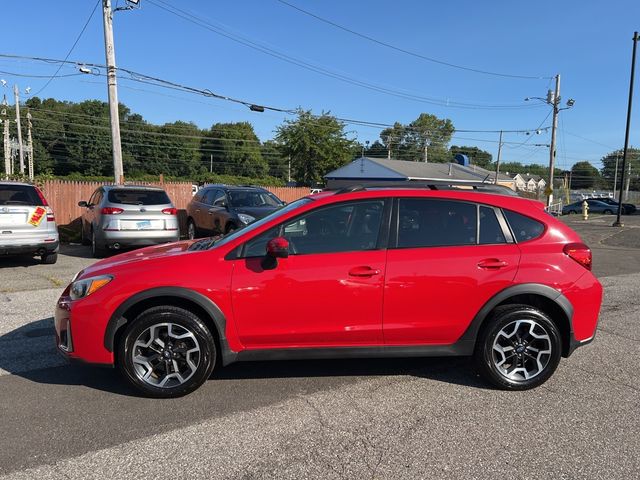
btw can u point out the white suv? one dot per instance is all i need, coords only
(27, 223)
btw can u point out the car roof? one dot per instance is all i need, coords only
(9, 182)
(133, 187)
(223, 186)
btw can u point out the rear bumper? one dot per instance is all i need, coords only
(35, 248)
(139, 238)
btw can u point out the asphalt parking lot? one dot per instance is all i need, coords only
(418, 418)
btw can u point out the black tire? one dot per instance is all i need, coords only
(85, 240)
(608, 212)
(187, 322)
(192, 230)
(487, 359)
(572, 212)
(49, 258)
(229, 228)
(96, 250)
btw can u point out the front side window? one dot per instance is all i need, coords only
(209, 196)
(425, 222)
(219, 199)
(253, 198)
(340, 228)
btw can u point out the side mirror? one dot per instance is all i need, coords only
(278, 248)
(82, 204)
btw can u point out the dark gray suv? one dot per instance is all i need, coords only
(219, 209)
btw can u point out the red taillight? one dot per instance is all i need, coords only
(580, 253)
(42, 199)
(170, 211)
(50, 216)
(111, 211)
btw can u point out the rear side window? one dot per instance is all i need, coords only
(138, 197)
(426, 222)
(523, 228)
(490, 229)
(19, 195)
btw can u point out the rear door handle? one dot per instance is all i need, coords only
(364, 272)
(492, 264)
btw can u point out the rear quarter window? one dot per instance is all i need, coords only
(138, 197)
(19, 195)
(524, 228)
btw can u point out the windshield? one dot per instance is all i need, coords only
(207, 243)
(252, 198)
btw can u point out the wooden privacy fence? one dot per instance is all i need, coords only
(63, 195)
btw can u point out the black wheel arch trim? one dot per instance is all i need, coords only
(118, 320)
(470, 335)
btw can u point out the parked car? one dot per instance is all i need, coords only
(27, 223)
(627, 208)
(595, 206)
(120, 216)
(461, 273)
(217, 209)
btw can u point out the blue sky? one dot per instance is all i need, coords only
(587, 42)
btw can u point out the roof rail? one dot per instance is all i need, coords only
(431, 185)
(351, 188)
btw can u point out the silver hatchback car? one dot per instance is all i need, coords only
(27, 223)
(119, 216)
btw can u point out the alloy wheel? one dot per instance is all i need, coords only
(166, 355)
(522, 350)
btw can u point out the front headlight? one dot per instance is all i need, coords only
(87, 286)
(246, 219)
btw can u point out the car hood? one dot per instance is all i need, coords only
(166, 250)
(256, 212)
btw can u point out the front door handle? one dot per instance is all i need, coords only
(364, 272)
(492, 264)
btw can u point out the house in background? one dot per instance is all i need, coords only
(381, 170)
(529, 183)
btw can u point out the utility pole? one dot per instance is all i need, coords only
(7, 149)
(626, 188)
(498, 160)
(29, 146)
(615, 178)
(618, 222)
(426, 151)
(107, 17)
(555, 101)
(289, 169)
(16, 94)
(211, 163)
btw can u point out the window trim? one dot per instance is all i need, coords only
(383, 233)
(395, 223)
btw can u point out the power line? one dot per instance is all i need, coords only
(71, 49)
(323, 71)
(405, 51)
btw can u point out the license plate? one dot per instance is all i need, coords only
(144, 225)
(12, 218)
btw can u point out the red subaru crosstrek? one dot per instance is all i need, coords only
(377, 272)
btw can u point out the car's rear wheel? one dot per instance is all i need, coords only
(85, 239)
(49, 258)
(192, 232)
(96, 250)
(608, 212)
(572, 212)
(166, 352)
(519, 348)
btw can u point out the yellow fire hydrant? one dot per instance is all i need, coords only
(585, 210)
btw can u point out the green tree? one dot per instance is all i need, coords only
(584, 175)
(315, 144)
(277, 161)
(408, 142)
(609, 166)
(236, 150)
(476, 156)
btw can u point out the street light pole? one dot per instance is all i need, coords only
(107, 16)
(552, 150)
(498, 160)
(618, 222)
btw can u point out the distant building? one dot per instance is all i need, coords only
(369, 169)
(529, 183)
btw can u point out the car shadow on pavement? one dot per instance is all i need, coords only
(76, 250)
(19, 261)
(33, 356)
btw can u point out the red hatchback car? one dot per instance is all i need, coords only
(377, 272)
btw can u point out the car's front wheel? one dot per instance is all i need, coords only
(166, 352)
(519, 348)
(192, 233)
